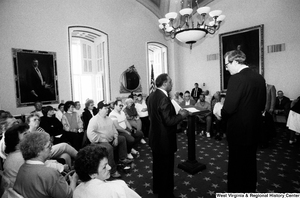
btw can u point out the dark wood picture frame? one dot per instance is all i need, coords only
(251, 42)
(27, 78)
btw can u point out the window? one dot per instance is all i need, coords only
(89, 64)
(157, 59)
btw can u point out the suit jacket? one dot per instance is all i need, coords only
(271, 98)
(199, 91)
(192, 103)
(86, 116)
(163, 123)
(284, 104)
(245, 101)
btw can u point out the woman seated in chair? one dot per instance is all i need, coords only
(61, 150)
(92, 167)
(14, 159)
(34, 179)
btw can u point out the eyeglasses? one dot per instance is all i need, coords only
(49, 146)
(121, 105)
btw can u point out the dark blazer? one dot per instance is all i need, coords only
(284, 104)
(245, 101)
(199, 91)
(163, 123)
(86, 116)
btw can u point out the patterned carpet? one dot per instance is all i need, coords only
(278, 168)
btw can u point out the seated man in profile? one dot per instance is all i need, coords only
(187, 100)
(133, 137)
(101, 130)
(282, 104)
(205, 118)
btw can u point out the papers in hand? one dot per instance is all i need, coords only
(176, 106)
(192, 109)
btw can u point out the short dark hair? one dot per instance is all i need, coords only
(116, 102)
(12, 136)
(161, 79)
(187, 92)
(68, 104)
(46, 110)
(60, 105)
(88, 159)
(235, 55)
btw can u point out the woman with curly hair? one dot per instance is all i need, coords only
(34, 179)
(92, 167)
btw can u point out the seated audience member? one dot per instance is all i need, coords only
(78, 108)
(203, 105)
(34, 179)
(14, 159)
(293, 122)
(208, 97)
(178, 98)
(52, 125)
(187, 101)
(73, 125)
(101, 130)
(60, 112)
(282, 105)
(93, 170)
(220, 123)
(196, 91)
(61, 150)
(88, 112)
(125, 129)
(141, 108)
(132, 116)
(38, 106)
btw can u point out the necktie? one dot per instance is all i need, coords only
(195, 94)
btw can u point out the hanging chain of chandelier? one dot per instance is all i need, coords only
(188, 27)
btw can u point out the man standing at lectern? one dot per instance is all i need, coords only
(243, 108)
(162, 136)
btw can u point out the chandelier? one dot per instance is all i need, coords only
(189, 28)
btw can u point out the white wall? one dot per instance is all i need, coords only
(43, 25)
(281, 69)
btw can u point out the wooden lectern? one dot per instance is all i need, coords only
(191, 165)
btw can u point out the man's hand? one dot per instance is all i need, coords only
(115, 142)
(184, 113)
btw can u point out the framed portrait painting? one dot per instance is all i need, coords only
(251, 42)
(35, 77)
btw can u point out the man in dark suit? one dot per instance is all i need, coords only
(36, 82)
(243, 108)
(196, 92)
(162, 136)
(282, 105)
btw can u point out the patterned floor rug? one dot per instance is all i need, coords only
(278, 168)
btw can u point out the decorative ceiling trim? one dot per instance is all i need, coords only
(158, 7)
